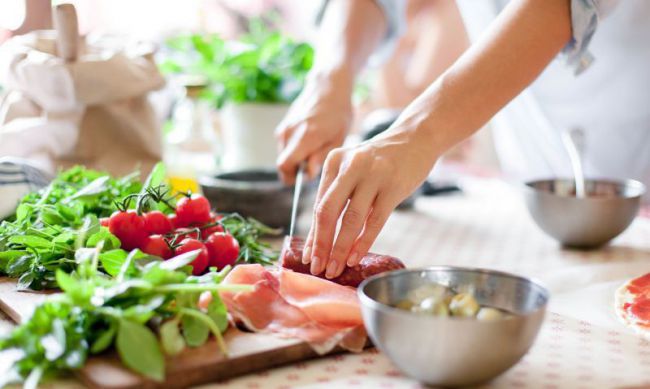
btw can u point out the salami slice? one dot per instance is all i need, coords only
(632, 304)
(369, 265)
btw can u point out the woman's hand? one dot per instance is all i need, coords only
(316, 123)
(361, 186)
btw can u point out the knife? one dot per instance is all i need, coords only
(296, 198)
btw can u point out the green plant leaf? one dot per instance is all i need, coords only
(31, 241)
(110, 241)
(180, 260)
(94, 188)
(139, 350)
(171, 338)
(112, 261)
(195, 331)
(104, 340)
(218, 312)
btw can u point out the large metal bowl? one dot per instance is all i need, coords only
(452, 351)
(592, 221)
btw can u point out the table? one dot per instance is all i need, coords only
(581, 345)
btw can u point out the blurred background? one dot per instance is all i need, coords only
(231, 68)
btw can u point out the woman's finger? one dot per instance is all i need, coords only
(378, 216)
(333, 161)
(354, 217)
(328, 212)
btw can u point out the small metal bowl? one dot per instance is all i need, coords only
(252, 193)
(592, 221)
(452, 351)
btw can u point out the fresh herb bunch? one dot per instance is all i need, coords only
(148, 309)
(248, 231)
(263, 66)
(50, 224)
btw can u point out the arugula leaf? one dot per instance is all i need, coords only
(139, 350)
(31, 241)
(94, 188)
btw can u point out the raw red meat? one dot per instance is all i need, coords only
(370, 264)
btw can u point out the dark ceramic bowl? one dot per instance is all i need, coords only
(253, 193)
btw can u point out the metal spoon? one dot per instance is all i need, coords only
(573, 141)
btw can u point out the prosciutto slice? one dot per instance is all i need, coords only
(296, 305)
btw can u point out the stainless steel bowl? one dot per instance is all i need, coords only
(452, 351)
(608, 209)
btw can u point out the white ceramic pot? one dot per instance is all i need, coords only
(248, 135)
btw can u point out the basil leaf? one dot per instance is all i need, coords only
(218, 312)
(104, 340)
(139, 350)
(195, 331)
(171, 338)
(112, 261)
(110, 241)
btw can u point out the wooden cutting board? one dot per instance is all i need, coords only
(248, 352)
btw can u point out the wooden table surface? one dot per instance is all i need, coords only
(581, 343)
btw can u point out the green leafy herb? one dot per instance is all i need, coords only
(50, 224)
(95, 312)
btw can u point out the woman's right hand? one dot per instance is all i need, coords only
(316, 123)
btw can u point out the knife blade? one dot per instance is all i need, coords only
(296, 198)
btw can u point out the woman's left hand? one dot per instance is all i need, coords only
(360, 186)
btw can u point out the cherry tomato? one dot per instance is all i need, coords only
(223, 249)
(173, 219)
(129, 228)
(184, 233)
(156, 245)
(201, 262)
(156, 222)
(194, 210)
(103, 221)
(207, 231)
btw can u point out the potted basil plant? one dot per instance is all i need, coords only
(252, 81)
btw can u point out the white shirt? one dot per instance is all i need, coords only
(601, 83)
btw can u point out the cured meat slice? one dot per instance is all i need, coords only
(296, 305)
(369, 265)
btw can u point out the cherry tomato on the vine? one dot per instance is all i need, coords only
(223, 249)
(128, 227)
(158, 246)
(157, 222)
(200, 263)
(193, 210)
(207, 231)
(103, 221)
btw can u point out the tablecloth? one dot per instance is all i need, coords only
(581, 344)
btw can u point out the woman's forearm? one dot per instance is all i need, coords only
(515, 50)
(349, 33)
